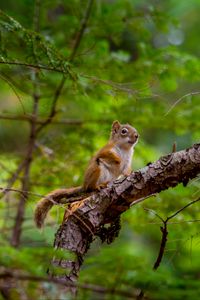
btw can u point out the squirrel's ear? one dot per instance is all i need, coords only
(115, 126)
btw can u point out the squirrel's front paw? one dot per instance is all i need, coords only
(102, 186)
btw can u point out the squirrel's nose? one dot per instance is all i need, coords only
(136, 135)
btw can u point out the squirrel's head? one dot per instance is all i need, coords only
(124, 135)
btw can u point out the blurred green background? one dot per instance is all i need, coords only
(138, 62)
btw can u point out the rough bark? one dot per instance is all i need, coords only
(82, 223)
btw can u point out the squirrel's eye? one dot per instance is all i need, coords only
(124, 131)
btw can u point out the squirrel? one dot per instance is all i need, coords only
(111, 161)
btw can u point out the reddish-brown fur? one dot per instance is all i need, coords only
(113, 160)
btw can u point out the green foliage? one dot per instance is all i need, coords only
(138, 62)
(18, 42)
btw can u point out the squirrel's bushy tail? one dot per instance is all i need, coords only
(41, 211)
(54, 197)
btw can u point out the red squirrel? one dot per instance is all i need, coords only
(111, 161)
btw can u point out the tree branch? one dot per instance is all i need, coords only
(131, 294)
(164, 230)
(53, 106)
(162, 245)
(180, 99)
(34, 66)
(182, 208)
(106, 205)
(62, 82)
(80, 33)
(25, 181)
(29, 118)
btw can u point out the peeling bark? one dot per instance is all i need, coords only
(81, 224)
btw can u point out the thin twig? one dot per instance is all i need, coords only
(34, 66)
(118, 86)
(181, 209)
(61, 204)
(115, 85)
(164, 231)
(53, 106)
(15, 175)
(80, 33)
(142, 199)
(162, 245)
(5, 78)
(170, 223)
(179, 100)
(62, 83)
(154, 213)
(5, 190)
(5, 168)
(65, 200)
(29, 118)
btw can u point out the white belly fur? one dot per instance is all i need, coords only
(125, 165)
(106, 175)
(126, 159)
